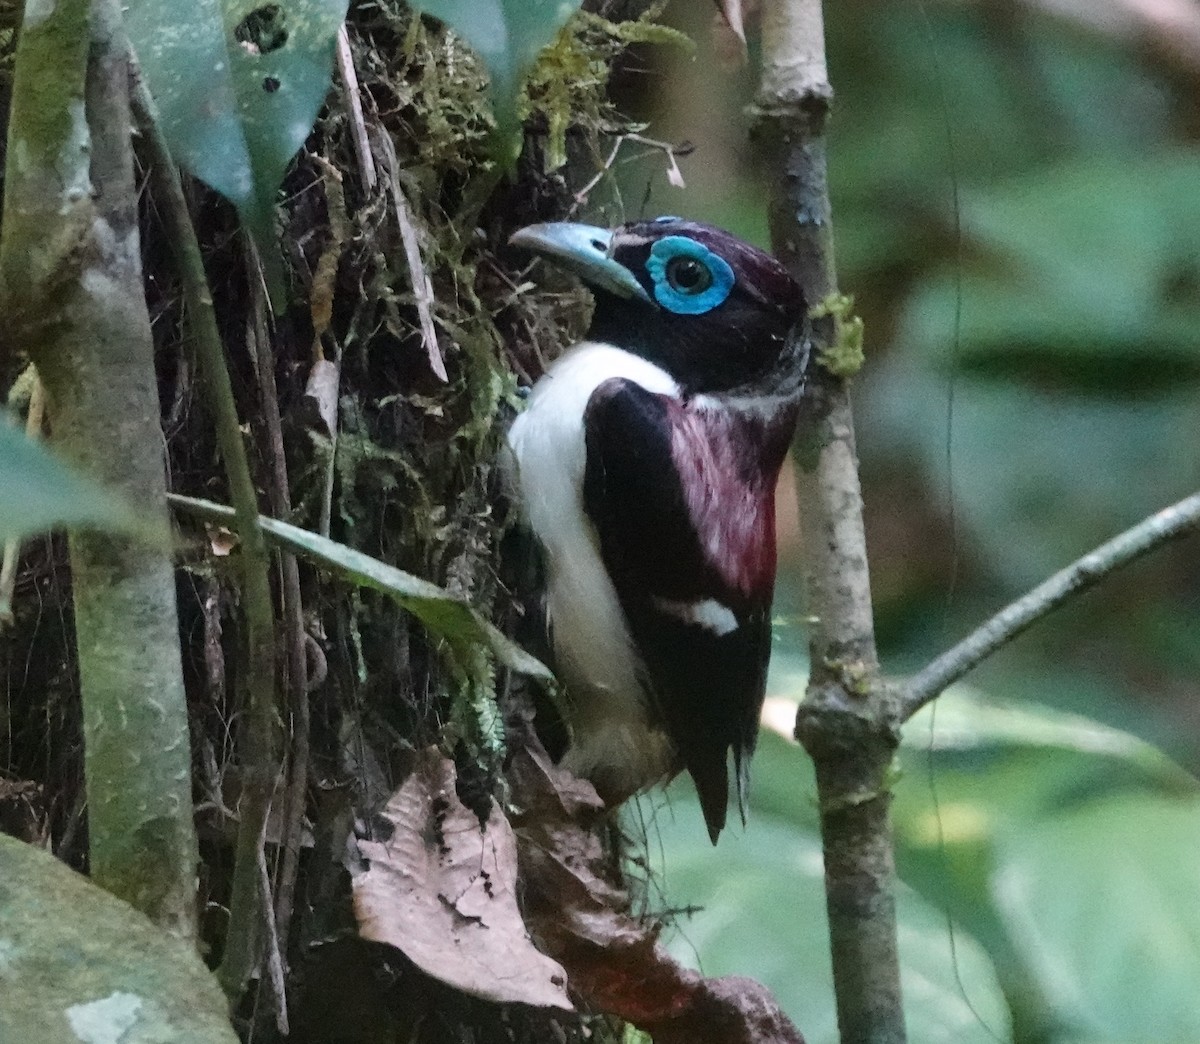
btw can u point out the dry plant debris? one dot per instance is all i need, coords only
(581, 918)
(442, 888)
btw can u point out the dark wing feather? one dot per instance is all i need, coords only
(682, 498)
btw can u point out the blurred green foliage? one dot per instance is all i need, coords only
(1061, 849)
(39, 492)
(1016, 211)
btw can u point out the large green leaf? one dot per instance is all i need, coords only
(1103, 904)
(1004, 774)
(507, 34)
(761, 913)
(38, 492)
(80, 965)
(971, 731)
(237, 85)
(443, 613)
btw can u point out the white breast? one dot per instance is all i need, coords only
(597, 661)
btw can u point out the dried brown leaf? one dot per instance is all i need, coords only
(580, 916)
(729, 35)
(443, 891)
(731, 11)
(674, 174)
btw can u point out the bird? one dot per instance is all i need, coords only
(646, 461)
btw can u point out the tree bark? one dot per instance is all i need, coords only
(70, 253)
(847, 721)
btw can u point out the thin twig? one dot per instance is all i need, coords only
(581, 196)
(671, 151)
(260, 729)
(362, 144)
(419, 275)
(1138, 540)
(8, 568)
(279, 496)
(273, 957)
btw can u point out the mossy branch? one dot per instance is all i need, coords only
(260, 739)
(72, 293)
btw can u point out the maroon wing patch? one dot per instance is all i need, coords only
(682, 497)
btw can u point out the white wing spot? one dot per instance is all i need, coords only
(709, 614)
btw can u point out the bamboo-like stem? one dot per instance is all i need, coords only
(296, 676)
(259, 740)
(72, 292)
(1170, 523)
(847, 721)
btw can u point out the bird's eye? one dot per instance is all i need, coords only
(688, 275)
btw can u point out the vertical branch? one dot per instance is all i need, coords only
(291, 603)
(72, 293)
(847, 722)
(259, 738)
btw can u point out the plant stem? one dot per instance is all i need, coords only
(1138, 540)
(72, 292)
(296, 674)
(260, 732)
(847, 721)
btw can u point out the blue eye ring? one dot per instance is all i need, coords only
(705, 295)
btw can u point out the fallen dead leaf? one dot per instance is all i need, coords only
(580, 915)
(443, 890)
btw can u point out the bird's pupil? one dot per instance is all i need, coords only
(688, 274)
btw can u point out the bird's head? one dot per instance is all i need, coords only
(714, 312)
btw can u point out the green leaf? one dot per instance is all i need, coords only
(998, 768)
(238, 85)
(507, 34)
(1004, 774)
(1103, 904)
(762, 914)
(79, 964)
(972, 729)
(444, 614)
(38, 492)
